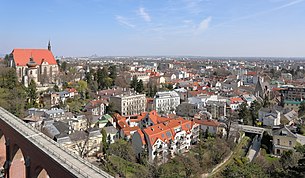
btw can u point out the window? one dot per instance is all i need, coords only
(168, 134)
(278, 141)
(290, 143)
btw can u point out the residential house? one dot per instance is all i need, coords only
(166, 102)
(235, 102)
(283, 140)
(269, 117)
(211, 126)
(96, 107)
(166, 139)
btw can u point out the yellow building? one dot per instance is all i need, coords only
(283, 140)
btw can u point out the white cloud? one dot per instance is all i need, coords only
(124, 21)
(292, 3)
(204, 24)
(144, 14)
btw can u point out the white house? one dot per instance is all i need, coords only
(269, 117)
(166, 139)
(166, 102)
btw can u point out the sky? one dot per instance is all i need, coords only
(155, 27)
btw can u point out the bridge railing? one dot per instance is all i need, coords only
(69, 163)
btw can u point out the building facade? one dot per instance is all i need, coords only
(129, 103)
(166, 102)
(34, 64)
(283, 140)
(166, 139)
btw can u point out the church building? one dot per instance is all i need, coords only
(34, 64)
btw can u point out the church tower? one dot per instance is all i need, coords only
(49, 46)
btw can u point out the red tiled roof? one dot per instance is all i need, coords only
(236, 100)
(251, 73)
(127, 130)
(212, 123)
(165, 131)
(22, 56)
(142, 136)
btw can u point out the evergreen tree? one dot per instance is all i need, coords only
(244, 114)
(155, 90)
(254, 108)
(32, 93)
(266, 102)
(11, 79)
(113, 73)
(104, 140)
(56, 88)
(150, 91)
(140, 87)
(134, 82)
(63, 66)
(102, 75)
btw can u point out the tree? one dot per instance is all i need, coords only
(63, 66)
(254, 108)
(244, 114)
(190, 165)
(301, 111)
(140, 86)
(6, 59)
(266, 102)
(56, 88)
(104, 141)
(230, 119)
(12, 93)
(244, 170)
(82, 87)
(103, 80)
(155, 90)
(134, 82)
(32, 94)
(122, 149)
(113, 73)
(121, 81)
(109, 108)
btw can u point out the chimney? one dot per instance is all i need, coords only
(152, 129)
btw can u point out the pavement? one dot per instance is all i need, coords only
(301, 139)
(255, 147)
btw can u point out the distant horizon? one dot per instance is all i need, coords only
(175, 56)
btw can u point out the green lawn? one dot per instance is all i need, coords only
(270, 158)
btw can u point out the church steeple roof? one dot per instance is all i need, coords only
(49, 45)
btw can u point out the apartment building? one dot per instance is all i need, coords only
(128, 103)
(166, 139)
(166, 102)
(293, 93)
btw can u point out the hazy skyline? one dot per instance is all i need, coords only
(155, 27)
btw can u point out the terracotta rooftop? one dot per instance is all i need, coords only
(206, 122)
(22, 56)
(166, 131)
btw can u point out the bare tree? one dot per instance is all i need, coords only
(231, 118)
(85, 145)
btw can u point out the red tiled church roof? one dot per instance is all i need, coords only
(22, 56)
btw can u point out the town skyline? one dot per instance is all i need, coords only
(161, 28)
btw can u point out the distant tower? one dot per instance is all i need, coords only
(49, 46)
